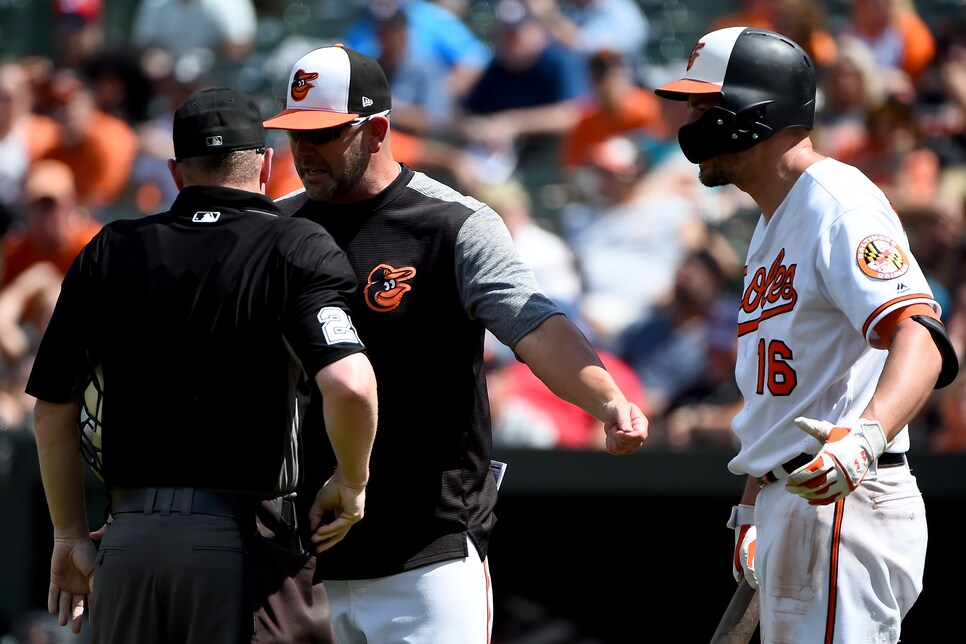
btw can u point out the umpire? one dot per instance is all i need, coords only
(199, 324)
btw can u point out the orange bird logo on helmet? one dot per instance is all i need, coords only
(301, 84)
(694, 54)
(386, 286)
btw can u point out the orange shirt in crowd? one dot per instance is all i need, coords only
(639, 110)
(102, 161)
(20, 251)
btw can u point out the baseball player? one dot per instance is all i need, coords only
(203, 324)
(840, 344)
(436, 269)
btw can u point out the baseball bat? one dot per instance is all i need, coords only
(740, 619)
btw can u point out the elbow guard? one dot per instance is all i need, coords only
(950, 368)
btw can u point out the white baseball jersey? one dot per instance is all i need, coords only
(830, 264)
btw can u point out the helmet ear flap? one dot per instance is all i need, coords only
(720, 131)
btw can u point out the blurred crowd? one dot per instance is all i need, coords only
(541, 108)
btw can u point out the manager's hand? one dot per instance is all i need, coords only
(625, 427)
(348, 504)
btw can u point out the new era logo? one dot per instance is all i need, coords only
(366, 101)
(212, 141)
(206, 216)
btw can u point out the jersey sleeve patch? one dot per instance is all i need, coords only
(881, 258)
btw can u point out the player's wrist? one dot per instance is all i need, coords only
(741, 514)
(874, 435)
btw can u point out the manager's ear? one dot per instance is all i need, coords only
(379, 131)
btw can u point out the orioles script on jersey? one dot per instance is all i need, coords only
(773, 293)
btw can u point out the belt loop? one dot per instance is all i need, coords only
(165, 500)
(187, 497)
(149, 500)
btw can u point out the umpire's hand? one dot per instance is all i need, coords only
(71, 580)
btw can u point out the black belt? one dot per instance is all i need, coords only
(888, 459)
(181, 500)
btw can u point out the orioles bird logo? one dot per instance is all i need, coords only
(301, 84)
(694, 55)
(386, 286)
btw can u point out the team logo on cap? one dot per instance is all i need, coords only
(881, 258)
(695, 52)
(386, 286)
(301, 84)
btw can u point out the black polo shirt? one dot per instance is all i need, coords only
(202, 318)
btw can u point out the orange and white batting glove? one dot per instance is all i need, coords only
(841, 464)
(742, 521)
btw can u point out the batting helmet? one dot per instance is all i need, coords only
(766, 82)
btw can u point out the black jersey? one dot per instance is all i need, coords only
(435, 269)
(205, 320)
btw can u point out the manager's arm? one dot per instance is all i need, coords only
(350, 408)
(561, 356)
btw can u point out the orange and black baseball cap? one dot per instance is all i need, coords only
(217, 120)
(332, 86)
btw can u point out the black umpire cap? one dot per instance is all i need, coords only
(217, 120)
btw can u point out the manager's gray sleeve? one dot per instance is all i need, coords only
(496, 287)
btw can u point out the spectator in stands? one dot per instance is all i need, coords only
(26, 304)
(617, 106)
(421, 101)
(806, 22)
(802, 20)
(588, 26)
(435, 33)
(24, 135)
(54, 229)
(79, 29)
(543, 250)
(701, 415)
(630, 232)
(99, 148)
(669, 346)
(899, 38)
(748, 13)
(851, 88)
(225, 28)
(530, 88)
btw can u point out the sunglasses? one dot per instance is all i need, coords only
(328, 134)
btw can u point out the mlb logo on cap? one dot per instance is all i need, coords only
(332, 86)
(217, 120)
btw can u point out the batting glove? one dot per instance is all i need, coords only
(742, 521)
(841, 464)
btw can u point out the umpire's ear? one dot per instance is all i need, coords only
(176, 174)
(266, 172)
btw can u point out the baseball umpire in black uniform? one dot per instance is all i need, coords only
(199, 326)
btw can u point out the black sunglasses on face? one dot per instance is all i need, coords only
(325, 135)
(318, 137)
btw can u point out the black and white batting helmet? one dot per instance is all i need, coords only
(766, 82)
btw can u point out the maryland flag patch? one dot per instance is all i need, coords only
(881, 258)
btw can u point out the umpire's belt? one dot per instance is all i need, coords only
(181, 500)
(780, 473)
